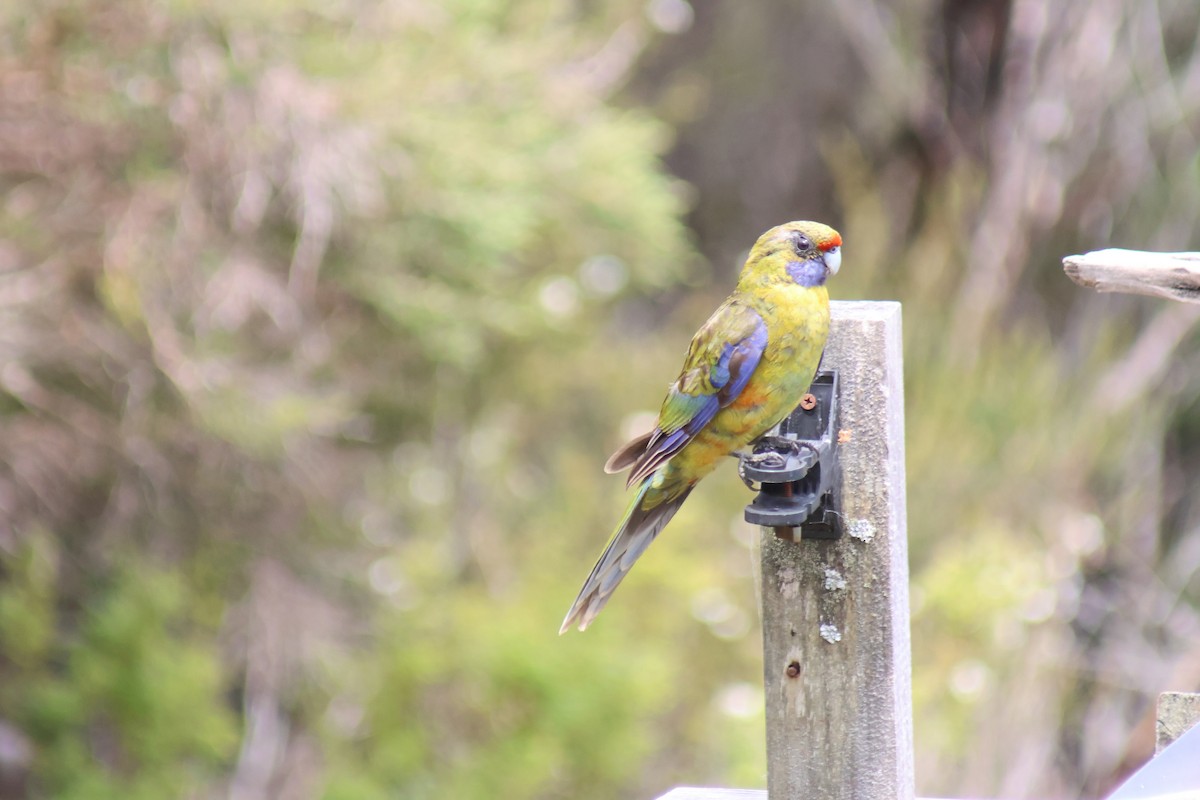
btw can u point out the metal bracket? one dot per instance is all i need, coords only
(795, 466)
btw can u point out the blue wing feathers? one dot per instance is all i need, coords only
(718, 376)
(743, 359)
(686, 413)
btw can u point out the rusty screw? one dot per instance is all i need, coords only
(793, 669)
(808, 402)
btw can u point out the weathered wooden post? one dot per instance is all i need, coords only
(837, 661)
(1178, 712)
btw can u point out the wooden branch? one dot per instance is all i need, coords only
(1175, 276)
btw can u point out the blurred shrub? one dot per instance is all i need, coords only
(137, 683)
(296, 388)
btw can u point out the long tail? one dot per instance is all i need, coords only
(644, 518)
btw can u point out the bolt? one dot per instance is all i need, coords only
(793, 669)
(808, 402)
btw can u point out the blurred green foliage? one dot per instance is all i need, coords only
(137, 665)
(304, 376)
(318, 318)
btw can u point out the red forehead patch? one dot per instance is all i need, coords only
(832, 242)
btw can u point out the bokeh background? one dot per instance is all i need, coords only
(319, 317)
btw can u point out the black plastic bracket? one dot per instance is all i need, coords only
(795, 468)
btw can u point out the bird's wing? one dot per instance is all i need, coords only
(720, 361)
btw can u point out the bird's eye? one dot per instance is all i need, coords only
(802, 243)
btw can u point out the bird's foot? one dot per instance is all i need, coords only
(750, 484)
(772, 452)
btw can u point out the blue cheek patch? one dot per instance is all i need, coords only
(808, 273)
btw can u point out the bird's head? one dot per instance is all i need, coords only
(806, 253)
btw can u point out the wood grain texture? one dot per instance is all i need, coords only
(1178, 713)
(839, 727)
(1175, 276)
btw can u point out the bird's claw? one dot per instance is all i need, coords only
(773, 452)
(781, 445)
(750, 484)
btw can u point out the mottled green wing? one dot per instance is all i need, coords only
(721, 359)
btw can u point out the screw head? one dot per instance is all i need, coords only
(793, 669)
(808, 402)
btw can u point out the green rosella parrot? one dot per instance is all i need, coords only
(745, 371)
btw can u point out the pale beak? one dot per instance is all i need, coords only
(833, 259)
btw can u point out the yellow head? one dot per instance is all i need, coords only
(806, 253)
